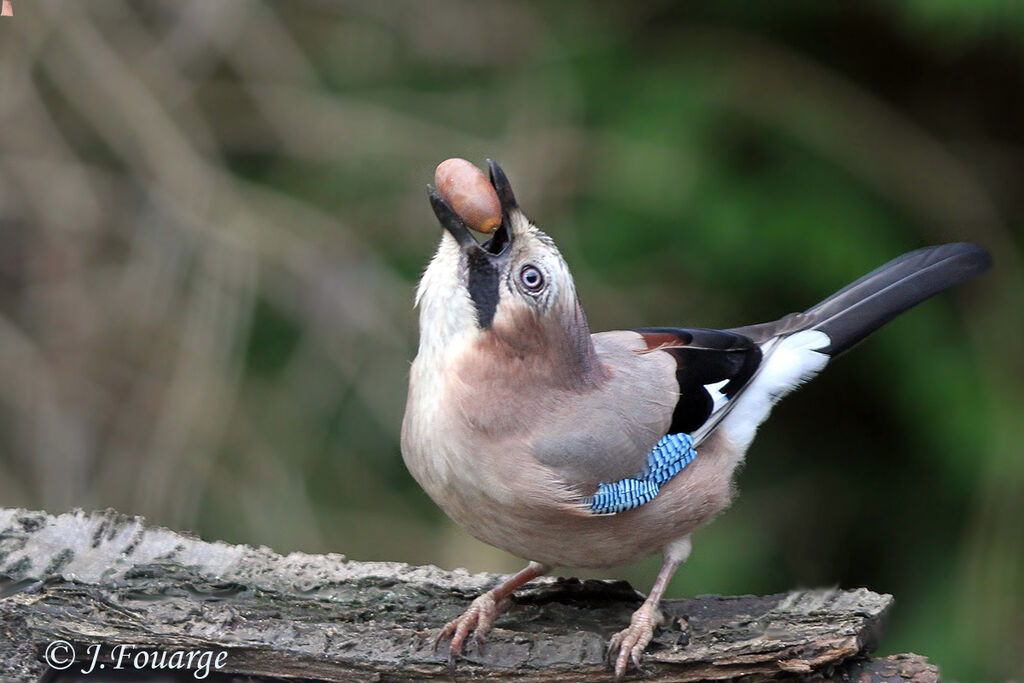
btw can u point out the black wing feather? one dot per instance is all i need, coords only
(703, 357)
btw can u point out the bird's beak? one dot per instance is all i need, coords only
(497, 245)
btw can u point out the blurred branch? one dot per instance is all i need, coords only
(844, 121)
(105, 579)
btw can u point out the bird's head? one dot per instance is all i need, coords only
(512, 294)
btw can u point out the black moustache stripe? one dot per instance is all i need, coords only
(483, 286)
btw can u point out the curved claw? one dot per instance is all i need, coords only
(445, 631)
(478, 639)
(629, 644)
(478, 620)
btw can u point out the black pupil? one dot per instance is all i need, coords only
(531, 277)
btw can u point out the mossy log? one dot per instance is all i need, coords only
(114, 589)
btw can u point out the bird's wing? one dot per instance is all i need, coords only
(670, 388)
(712, 367)
(662, 382)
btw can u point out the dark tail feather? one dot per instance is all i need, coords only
(860, 308)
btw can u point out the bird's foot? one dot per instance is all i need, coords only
(629, 643)
(478, 619)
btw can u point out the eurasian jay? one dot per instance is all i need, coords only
(567, 448)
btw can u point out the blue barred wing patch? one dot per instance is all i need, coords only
(668, 457)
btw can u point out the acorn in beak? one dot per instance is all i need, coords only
(465, 199)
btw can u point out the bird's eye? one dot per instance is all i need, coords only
(531, 278)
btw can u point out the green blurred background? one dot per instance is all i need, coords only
(213, 216)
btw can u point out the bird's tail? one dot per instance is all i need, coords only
(796, 348)
(860, 308)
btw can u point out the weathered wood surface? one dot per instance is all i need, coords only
(107, 579)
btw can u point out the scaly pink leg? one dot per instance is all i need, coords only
(629, 643)
(480, 616)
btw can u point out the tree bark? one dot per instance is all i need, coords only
(117, 591)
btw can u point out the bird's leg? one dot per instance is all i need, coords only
(482, 612)
(630, 642)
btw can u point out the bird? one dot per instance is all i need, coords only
(572, 449)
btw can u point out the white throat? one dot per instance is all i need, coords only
(447, 313)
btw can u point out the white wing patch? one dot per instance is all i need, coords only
(788, 363)
(717, 396)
